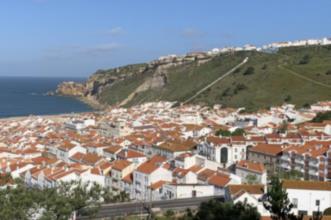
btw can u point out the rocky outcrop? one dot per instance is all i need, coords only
(71, 89)
(96, 83)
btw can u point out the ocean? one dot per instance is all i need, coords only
(23, 96)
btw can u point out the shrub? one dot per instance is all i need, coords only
(305, 60)
(249, 71)
(328, 72)
(288, 98)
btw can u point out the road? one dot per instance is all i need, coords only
(305, 78)
(215, 81)
(123, 209)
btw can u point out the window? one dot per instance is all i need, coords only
(317, 202)
(295, 203)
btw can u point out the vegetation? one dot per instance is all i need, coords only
(215, 210)
(322, 116)
(59, 203)
(249, 71)
(267, 79)
(305, 59)
(290, 175)
(251, 179)
(277, 202)
(226, 133)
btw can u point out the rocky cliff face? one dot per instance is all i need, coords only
(102, 79)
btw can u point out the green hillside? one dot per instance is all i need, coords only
(299, 75)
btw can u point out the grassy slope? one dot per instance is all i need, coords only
(271, 83)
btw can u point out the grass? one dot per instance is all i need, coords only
(271, 82)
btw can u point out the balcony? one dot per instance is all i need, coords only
(285, 166)
(299, 161)
(299, 168)
(313, 163)
(313, 173)
(285, 158)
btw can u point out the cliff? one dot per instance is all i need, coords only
(266, 79)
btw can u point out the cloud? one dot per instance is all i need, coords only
(192, 33)
(70, 51)
(102, 48)
(115, 31)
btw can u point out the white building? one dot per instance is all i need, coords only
(181, 191)
(222, 150)
(308, 197)
(148, 173)
(251, 171)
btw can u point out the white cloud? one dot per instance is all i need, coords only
(69, 51)
(192, 33)
(102, 48)
(115, 31)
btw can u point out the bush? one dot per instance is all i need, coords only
(288, 98)
(322, 116)
(306, 105)
(215, 210)
(328, 72)
(305, 60)
(249, 71)
(226, 92)
(239, 87)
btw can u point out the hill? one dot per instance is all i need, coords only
(299, 75)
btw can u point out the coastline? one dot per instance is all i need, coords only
(95, 106)
(50, 116)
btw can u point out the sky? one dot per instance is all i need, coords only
(74, 38)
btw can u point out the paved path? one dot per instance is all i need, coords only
(305, 78)
(215, 81)
(123, 209)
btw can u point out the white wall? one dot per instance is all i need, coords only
(307, 199)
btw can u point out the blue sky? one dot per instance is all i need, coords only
(77, 37)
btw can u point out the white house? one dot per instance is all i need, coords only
(148, 173)
(68, 149)
(251, 194)
(181, 191)
(308, 197)
(246, 169)
(222, 150)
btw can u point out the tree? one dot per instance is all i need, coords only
(249, 71)
(238, 132)
(251, 179)
(277, 202)
(22, 202)
(224, 133)
(169, 214)
(306, 106)
(216, 210)
(288, 98)
(305, 59)
(322, 116)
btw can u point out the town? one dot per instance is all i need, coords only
(162, 151)
(272, 47)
